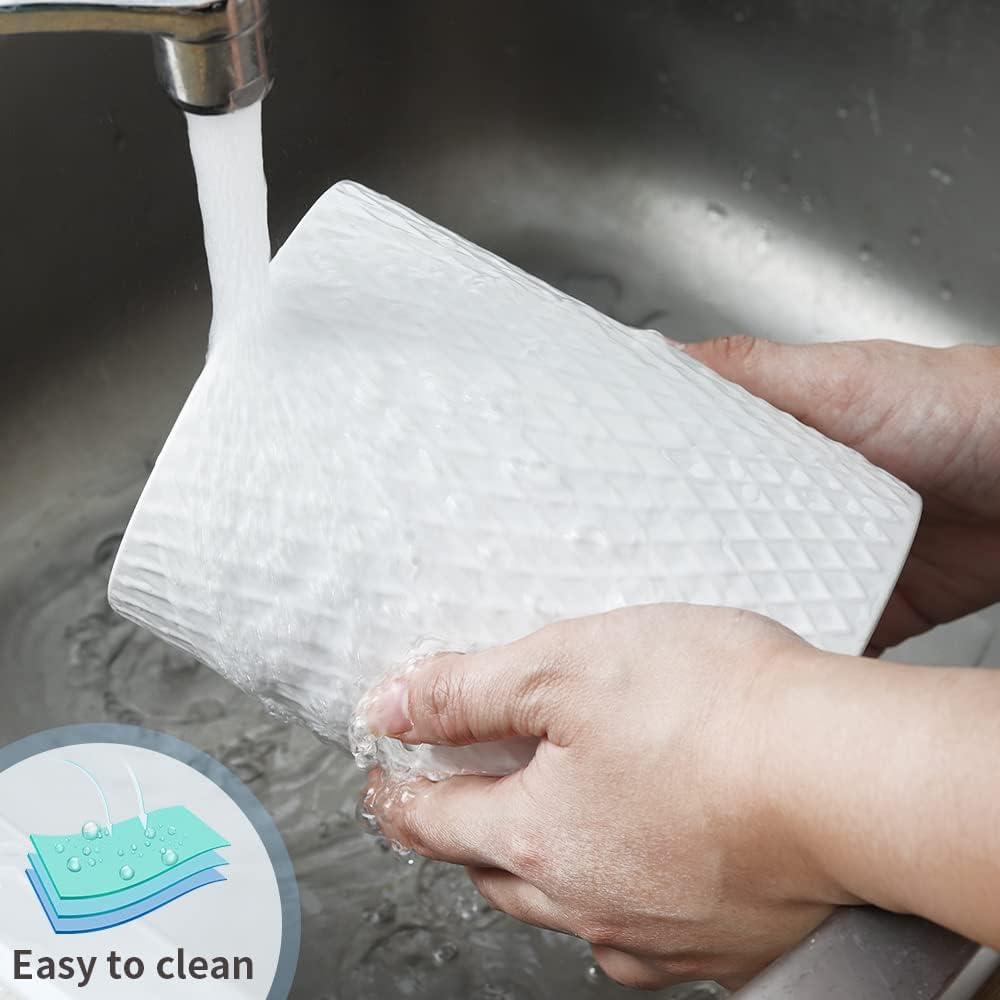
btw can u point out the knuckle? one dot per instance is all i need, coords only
(442, 700)
(527, 854)
(410, 831)
(555, 658)
(737, 349)
(598, 932)
(550, 665)
(685, 968)
(553, 650)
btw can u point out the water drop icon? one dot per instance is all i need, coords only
(169, 857)
(86, 851)
(90, 830)
(127, 873)
(74, 864)
(60, 848)
(150, 832)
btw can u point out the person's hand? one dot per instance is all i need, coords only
(932, 418)
(646, 823)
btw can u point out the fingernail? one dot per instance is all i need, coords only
(387, 714)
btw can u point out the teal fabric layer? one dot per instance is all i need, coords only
(128, 896)
(81, 866)
(101, 921)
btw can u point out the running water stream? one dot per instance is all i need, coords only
(229, 165)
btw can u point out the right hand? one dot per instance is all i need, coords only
(932, 418)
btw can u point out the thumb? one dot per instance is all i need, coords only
(815, 383)
(457, 700)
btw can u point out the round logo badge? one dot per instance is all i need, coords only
(133, 864)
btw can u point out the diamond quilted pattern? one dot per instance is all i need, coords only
(423, 446)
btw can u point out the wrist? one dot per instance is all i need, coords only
(811, 758)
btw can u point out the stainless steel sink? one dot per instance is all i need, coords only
(804, 169)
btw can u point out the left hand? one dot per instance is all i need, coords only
(647, 822)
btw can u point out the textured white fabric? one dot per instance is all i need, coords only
(424, 447)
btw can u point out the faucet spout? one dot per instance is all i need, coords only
(212, 58)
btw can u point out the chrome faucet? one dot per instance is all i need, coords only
(211, 57)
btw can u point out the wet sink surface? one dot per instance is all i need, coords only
(805, 170)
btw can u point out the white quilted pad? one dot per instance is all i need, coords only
(423, 447)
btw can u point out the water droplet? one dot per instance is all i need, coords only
(384, 913)
(716, 212)
(594, 974)
(121, 852)
(127, 872)
(171, 830)
(150, 832)
(89, 830)
(135, 847)
(86, 851)
(146, 842)
(169, 857)
(91, 862)
(60, 848)
(444, 954)
(942, 175)
(946, 292)
(74, 864)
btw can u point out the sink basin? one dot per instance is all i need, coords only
(802, 169)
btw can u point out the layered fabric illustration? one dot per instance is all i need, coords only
(107, 876)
